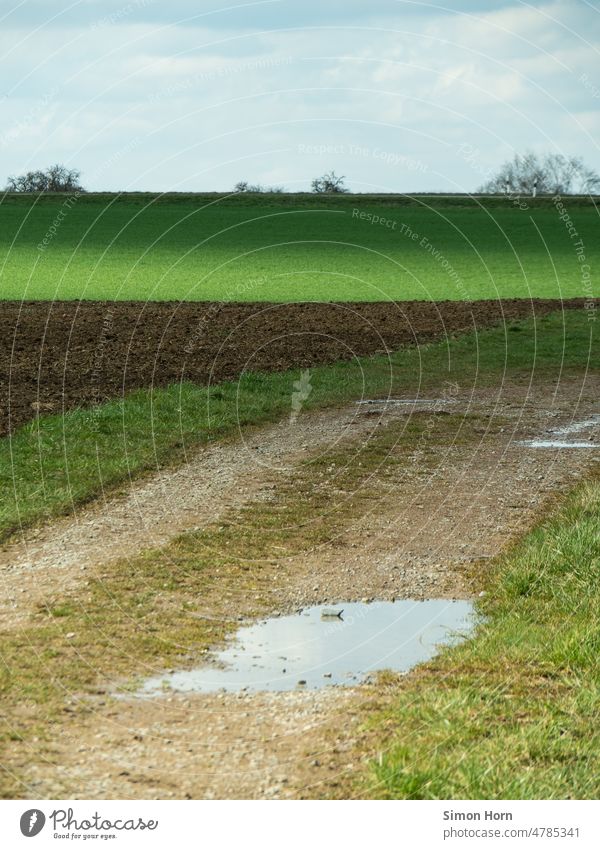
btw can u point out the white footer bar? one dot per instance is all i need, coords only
(311, 825)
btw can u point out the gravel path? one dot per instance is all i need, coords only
(47, 560)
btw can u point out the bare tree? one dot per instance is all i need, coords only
(329, 183)
(57, 178)
(257, 188)
(551, 173)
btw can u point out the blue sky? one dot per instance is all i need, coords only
(396, 95)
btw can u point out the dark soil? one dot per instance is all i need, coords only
(61, 355)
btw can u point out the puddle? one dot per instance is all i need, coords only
(310, 651)
(577, 427)
(557, 443)
(554, 440)
(555, 437)
(405, 401)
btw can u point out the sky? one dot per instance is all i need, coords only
(397, 96)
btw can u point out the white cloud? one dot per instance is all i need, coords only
(220, 100)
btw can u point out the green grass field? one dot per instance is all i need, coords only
(293, 247)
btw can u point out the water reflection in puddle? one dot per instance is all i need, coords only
(309, 650)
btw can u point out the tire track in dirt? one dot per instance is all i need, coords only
(46, 561)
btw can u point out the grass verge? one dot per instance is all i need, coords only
(58, 462)
(512, 713)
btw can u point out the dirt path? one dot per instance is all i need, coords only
(426, 519)
(50, 560)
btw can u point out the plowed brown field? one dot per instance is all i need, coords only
(55, 356)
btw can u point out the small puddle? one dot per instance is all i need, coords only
(557, 443)
(413, 401)
(315, 648)
(577, 427)
(556, 437)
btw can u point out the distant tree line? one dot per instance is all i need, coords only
(550, 173)
(528, 173)
(57, 178)
(257, 188)
(329, 183)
